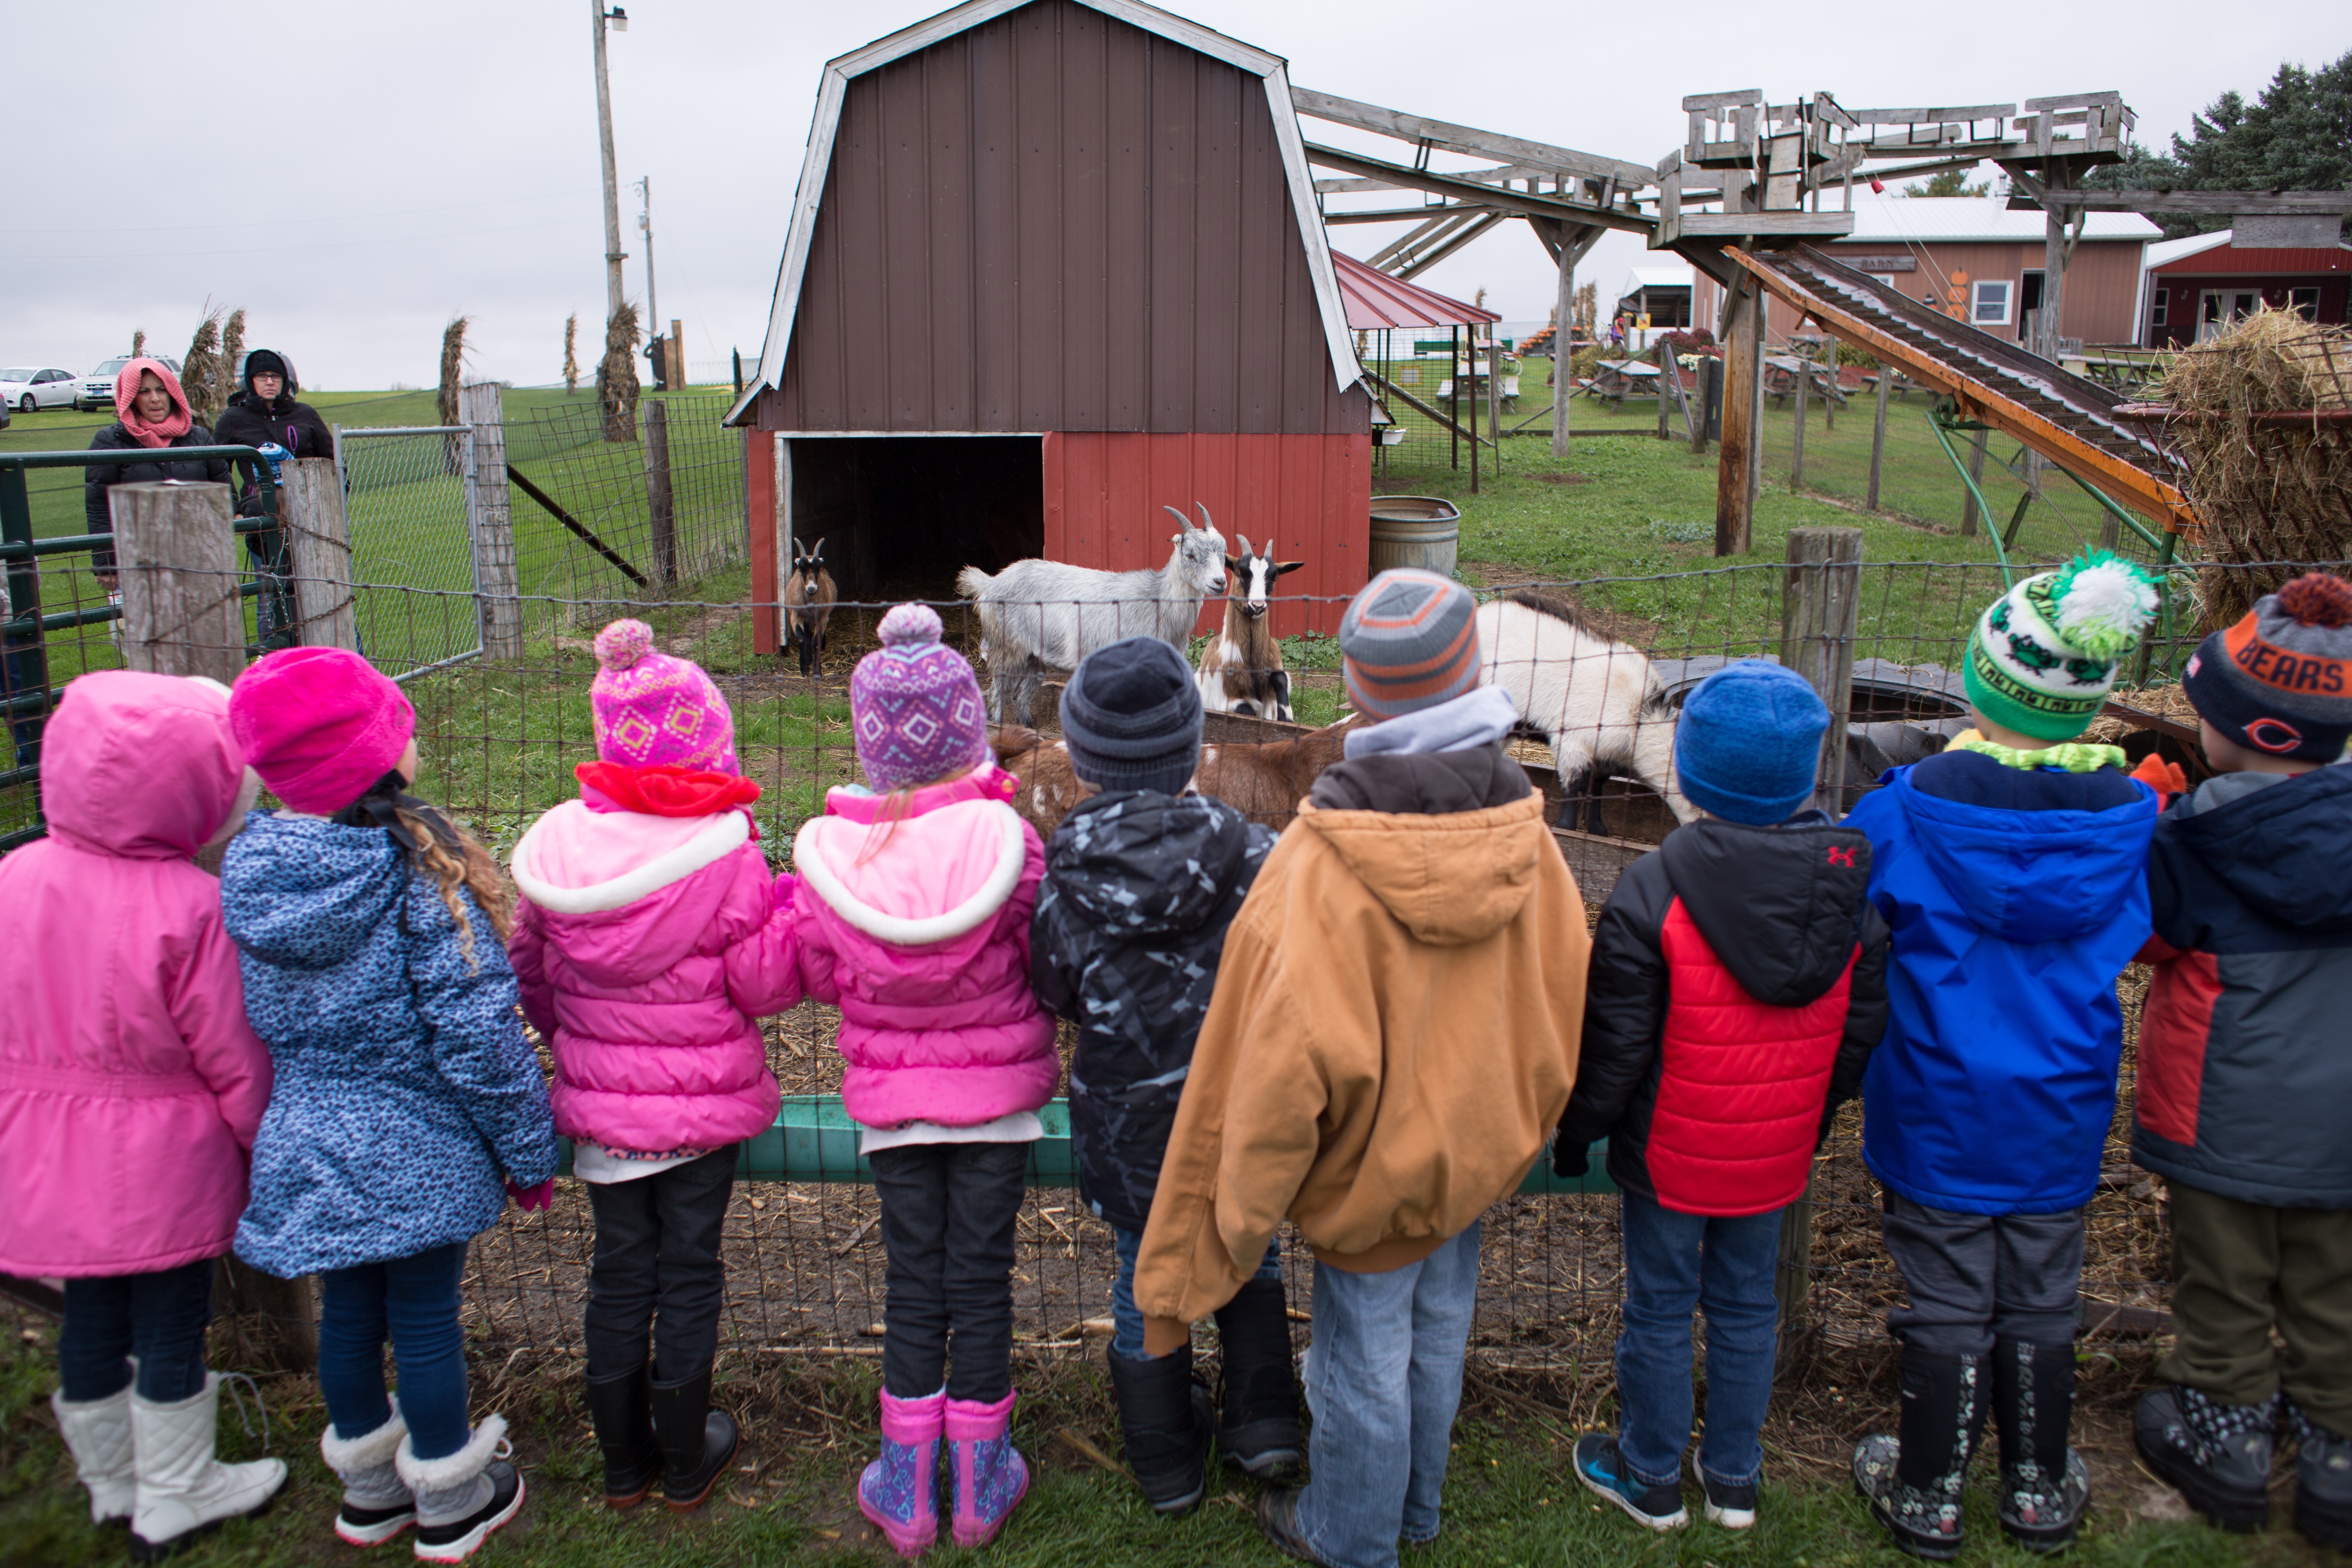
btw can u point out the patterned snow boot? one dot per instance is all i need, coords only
(2044, 1485)
(1913, 1482)
(900, 1491)
(183, 1491)
(2323, 1482)
(462, 1497)
(376, 1502)
(990, 1476)
(1257, 1415)
(1164, 1418)
(2218, 1455)
(98, 1434)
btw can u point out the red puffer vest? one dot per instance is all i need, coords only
(1740, 1083)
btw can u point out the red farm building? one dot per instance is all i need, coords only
(1054, 265)
(2197, 286)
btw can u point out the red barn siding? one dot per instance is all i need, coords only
(1057, 221)
(1298, 498)
(2270, 273)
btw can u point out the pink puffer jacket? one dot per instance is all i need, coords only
(645, 948)
(925, 944)
(131, 1085)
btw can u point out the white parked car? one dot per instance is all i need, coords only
(97, 388)
(27, 387)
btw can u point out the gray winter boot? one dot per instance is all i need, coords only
(376, 1503)
(2218, 1455)
(2323, 1482)
(462, 1497)
(97, 1435)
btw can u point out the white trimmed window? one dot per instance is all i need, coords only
(1989, 302)
(2163, 298)
(2305, 300)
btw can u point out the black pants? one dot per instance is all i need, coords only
(1976, 1278)
(657, 1248)
(948, 1211)
(159, 1318)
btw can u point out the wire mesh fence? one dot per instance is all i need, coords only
(405, 503)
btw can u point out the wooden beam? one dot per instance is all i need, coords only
(1494, 175)
(1465, 139)
(1396, 214)
(1423, 260)
(1426, 411)
(2254, 203)
(1800, 225)
(1448, 219)
(1476, 194)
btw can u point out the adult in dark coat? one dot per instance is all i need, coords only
(151, 411)
(262, 411)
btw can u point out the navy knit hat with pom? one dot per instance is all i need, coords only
(1749, 743)
(2280, 680)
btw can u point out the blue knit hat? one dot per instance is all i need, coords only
(1749, 743)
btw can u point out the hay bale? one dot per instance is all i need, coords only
(2273, 497)
(616, 375)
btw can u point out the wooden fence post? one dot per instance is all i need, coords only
(663, 519)
(176, 551)
(312, 503)
(498, 592)
(1736, 470)
(1797, 450)
(1976, 478)
(1878, 434)
(1821, 605)
(1563, 333)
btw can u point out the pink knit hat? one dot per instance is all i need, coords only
(319, 725)
(651, 708)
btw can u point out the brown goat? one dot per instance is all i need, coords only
(1264, 780)
(1241, 667)
(809, 598)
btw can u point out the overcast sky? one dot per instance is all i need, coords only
(352, 175)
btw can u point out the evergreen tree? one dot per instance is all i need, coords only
(2297, 135)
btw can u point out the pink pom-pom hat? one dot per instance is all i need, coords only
(914, 704)
(652, 708)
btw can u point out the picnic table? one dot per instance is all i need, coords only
(1614, 380)
(1478, 391)
(1781, 371)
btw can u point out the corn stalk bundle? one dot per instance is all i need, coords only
(571, 353)
(200, 371)
(225, 377)
(616, 375)
(2266, 487)
(453, 365)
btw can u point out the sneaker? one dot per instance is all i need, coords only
(1730, 1504)
(1600, 1466)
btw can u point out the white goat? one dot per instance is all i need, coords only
(1241, 667)
(1041, 614)
(1593, 696)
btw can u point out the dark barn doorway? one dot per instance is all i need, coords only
(901, 515)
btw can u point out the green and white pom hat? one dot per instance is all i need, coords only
(2044, 654)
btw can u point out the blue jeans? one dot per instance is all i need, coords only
(1674, 1262)
(413, 1302)
(1386, 1364)
(1126, 1318)
(159, 1318)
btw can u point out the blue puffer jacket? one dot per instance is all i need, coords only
(406, 1093)
(1994, 1089)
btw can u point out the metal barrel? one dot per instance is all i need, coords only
(1415, 530)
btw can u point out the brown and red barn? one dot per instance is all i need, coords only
(1052, 265)
(2199, 286)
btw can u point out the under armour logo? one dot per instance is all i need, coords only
(1841, 855)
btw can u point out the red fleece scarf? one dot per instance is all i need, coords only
(126, 406)
(665, 789)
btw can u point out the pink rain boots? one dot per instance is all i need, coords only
(990, 1478)
(899, 1491)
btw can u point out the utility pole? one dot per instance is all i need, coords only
(613, 254)
(645, 223)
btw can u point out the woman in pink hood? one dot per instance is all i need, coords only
(914, 916)
(130, 1088)
(651, 935)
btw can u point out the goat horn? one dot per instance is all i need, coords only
(1245, 540)
(1178, 516)
(1206, 523)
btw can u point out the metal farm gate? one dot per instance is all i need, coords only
(410, 530)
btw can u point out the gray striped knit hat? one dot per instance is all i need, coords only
(1408, 641)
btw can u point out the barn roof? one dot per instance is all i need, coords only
(1271, 68)
(1881, 220)
(1376, 300)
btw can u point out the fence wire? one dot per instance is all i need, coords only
(405, 504)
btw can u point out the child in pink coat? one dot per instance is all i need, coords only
(913, 915)
(651, 935)
(131, 1087)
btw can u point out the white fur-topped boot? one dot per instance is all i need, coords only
(376, 1502)
(183, 1491)
(462, 1497)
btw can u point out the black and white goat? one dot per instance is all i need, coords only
(1241, 667)
(1594, 698)
(1037, 615)
(809, 598)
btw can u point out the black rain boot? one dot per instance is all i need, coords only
(1913, 1482)
(2323, 1482)
(697, 1443)
(1165, 1417)
(2217, 1456)
(2044, 1485)
(622, 1410)
(1257, 1422)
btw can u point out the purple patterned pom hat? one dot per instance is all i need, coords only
(651, 708)
(915, 705)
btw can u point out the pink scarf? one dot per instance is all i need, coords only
(126, 408)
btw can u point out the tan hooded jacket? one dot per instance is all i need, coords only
(1392, 1037)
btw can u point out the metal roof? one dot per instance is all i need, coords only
(1882, 220)
(2169, 250)
(1376, 300)
(1655, 275)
